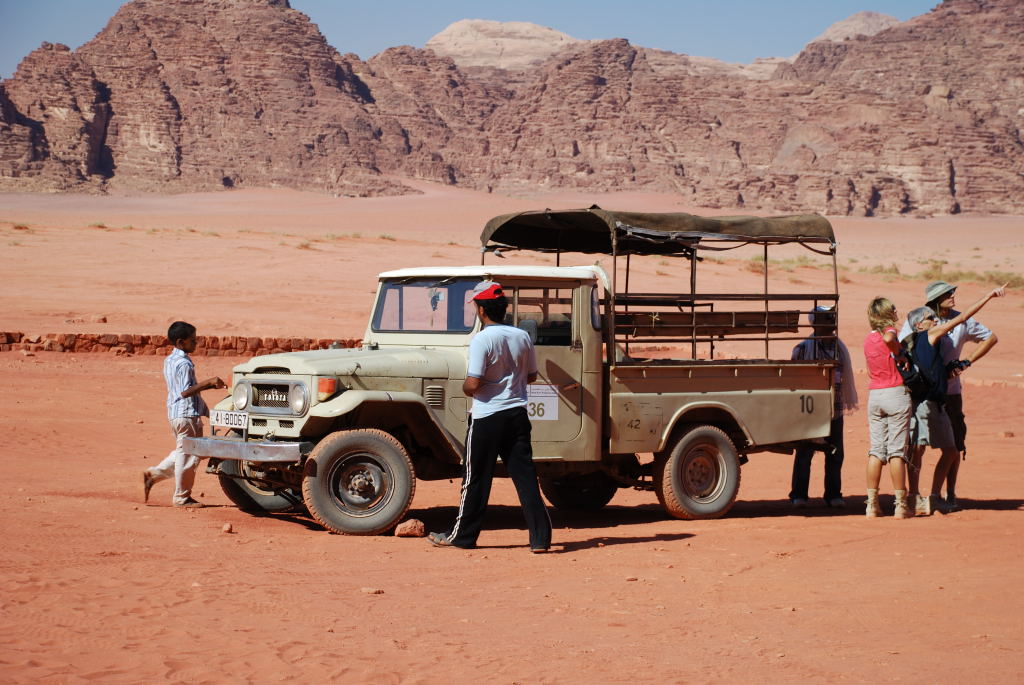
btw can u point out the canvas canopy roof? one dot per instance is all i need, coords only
(596, 230)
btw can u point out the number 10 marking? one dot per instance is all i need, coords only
(806, 404)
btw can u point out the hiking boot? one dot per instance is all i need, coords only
(937, 504)
(921, 506)
(952, 504)
(799, 502)
(836, 503)
(189, 503)
(902, 511)
(873, 509)
(148, 482)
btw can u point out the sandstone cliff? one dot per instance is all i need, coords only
(505, 45)
(176, 95)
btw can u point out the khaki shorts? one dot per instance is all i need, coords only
(930, 426)
(889, 412)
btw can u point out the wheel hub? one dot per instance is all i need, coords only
(699, 474)
(361, 485)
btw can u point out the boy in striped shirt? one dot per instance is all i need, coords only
(185, 409)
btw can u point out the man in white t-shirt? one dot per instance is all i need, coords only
(941, 298)
(501, 364)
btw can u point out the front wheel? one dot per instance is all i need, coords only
(250, 493)
(699, 477)
(359, 482)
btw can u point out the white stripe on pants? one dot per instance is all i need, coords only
(178, 464)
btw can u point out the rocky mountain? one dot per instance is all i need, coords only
(504, 45)
(922, 117)
(859, 24)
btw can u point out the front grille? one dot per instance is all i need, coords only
(272, 396)
(259, 423)
(270, 370)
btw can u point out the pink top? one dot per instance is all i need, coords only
(881, 366)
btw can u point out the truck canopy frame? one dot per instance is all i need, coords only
(674, 317)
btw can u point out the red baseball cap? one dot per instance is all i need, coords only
(486, 290)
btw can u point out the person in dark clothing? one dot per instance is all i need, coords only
(824, 344)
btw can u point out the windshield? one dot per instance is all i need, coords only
(425, 305)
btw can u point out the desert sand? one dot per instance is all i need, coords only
(99, 587)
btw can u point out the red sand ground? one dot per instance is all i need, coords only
(98, 587)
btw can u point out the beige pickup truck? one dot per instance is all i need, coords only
(347, 432)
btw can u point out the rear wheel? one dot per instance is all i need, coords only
(359, 482)
(243, 486)
(580, 492)
(699, 477)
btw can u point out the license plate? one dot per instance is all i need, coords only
(229, 419)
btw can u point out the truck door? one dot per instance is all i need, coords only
(555, 400)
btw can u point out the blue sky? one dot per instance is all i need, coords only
(731, 30)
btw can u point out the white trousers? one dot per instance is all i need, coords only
(178, 464)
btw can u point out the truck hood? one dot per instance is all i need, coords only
(395, 362)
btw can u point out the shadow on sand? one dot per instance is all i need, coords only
(510, 517)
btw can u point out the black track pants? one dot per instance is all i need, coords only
(504, 434)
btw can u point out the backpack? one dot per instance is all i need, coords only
(915, 377)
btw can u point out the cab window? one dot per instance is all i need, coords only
(549, 311)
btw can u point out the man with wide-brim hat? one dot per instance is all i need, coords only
(940, 297)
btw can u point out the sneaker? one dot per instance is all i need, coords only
(442, 540)
(190, 504)
(837, 502)
(921, 506)
(937, 504)
(873, 509)
(148, 482)
(952, 504)
(539, 550)
(799, 502)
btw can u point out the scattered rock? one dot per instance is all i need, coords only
(27, 353)
(1006, 434)
(413, 528)
(227, 528)
(99, 319)
(631, 579)
(371, 591)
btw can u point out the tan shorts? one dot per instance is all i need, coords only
(930, 426)
(889, 412)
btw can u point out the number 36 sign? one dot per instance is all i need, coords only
(542, 402)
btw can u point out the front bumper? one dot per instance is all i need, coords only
(229, 447)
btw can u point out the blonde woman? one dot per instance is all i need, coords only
(889, 408)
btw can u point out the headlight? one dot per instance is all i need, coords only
(298, 398)
(240, 396)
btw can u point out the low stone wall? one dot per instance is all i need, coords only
(130, 343)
